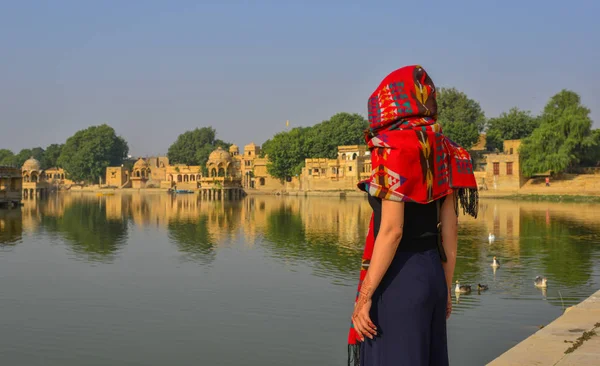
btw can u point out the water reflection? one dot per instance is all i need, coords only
(85, 225)
(313, 231)
(193, 239)
(11, 228)
(156, 245)
(560, 241)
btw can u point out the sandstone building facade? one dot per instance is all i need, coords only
(503, 170)
(352, 164)
(245, 169)
(11, 185)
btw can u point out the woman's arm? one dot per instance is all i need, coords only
(386, 243)
(449, 221)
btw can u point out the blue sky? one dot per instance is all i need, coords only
(154, 69)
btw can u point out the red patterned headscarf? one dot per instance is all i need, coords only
(412, 161)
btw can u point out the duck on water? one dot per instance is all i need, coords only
(464, 289)
(541, 282)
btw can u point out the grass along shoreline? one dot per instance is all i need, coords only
(567, 198)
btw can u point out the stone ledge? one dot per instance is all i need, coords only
(587, 354)
(547, 346)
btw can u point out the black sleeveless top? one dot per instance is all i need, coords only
(420, 225)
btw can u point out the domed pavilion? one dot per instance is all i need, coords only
(34, 179)
(223, 180)
(140, 174)
(219, 163)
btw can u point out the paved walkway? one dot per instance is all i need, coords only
(549, 346)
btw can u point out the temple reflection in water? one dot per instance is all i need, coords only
(344, 219)
(326, 232)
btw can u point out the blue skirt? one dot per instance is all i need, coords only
(409, 310)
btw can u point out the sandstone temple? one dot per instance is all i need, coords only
(232, 169)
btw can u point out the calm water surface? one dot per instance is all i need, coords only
(160, 280)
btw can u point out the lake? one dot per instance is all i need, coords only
(156, 279)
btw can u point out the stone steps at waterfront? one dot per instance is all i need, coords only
(549, 346)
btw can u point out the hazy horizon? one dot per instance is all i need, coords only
(153, 70)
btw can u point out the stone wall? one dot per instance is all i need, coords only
(263, 181)
(165, 184)
(57, 176)
(11, 185)
(158, 174)
(138, 183)
(190, 186)
(341, 174)
(116, 176)
(181, 173)
(328, 184)
(503, 170)
(158, 162)
(267, 184)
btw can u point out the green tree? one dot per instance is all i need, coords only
(87, 154)
(7, 157)
(22, 156)
(37, 153)
(287, 151)
(25, 154)
(461, 117)
(265, 148)
(563, 137)
(590, 154)
(514, 125)
(51, 156)
(194, 147)
(341, 129)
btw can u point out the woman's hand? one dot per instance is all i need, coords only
(449, 305)
(361, 318)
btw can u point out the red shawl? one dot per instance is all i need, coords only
(412, 161)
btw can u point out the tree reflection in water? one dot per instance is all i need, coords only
(555, 240)
(193, 239)
(286, 237)
(84, 225)
(198, 228)
(565, 250)
(11, 227)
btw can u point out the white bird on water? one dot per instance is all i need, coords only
(541, 282)
(495, 263)
(491, 238)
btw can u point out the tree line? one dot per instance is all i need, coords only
(84, 156)
(559, 139)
